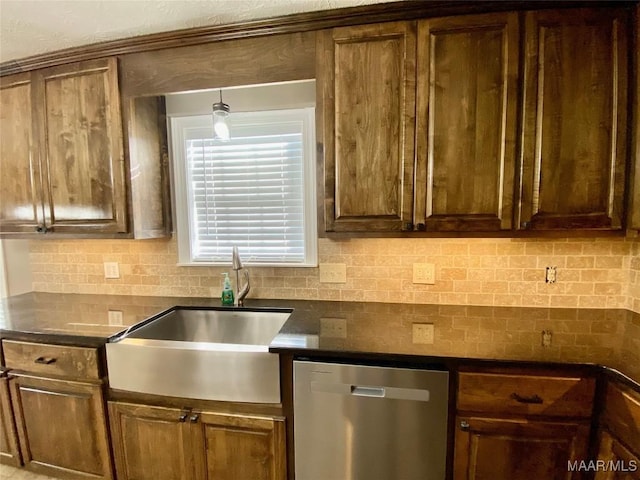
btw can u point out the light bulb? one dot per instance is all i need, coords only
(221, 129)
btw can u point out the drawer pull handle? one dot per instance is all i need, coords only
(535, 399)
(194, 418)
(45, 360)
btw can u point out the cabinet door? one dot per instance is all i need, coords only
(575, 119)
(238, 446)
(366, 77)
(62, 427)
(499, 449)
(466, 125)
(620, 463)
(151, 443)
(81, 141)
(21, 202)
(9, 452)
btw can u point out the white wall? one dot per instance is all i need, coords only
(15, 268)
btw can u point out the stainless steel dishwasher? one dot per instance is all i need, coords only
(357, 422)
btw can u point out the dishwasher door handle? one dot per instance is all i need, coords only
(389, 393)
(367, 391)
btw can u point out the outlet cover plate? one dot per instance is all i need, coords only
(333, 327)
(424, 273)
(423, 333)
(333, 273)
(111, 270)
(115, 317)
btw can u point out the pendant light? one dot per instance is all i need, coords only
(220, 127)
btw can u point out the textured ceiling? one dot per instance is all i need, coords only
(32, 27)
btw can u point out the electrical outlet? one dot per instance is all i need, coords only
(111, 270)
(333, 327)
(115, 317)
(546, 338)
(424, 273)
(423, 333)
(333, 273)
(551, 275)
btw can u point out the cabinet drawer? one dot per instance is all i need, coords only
(76, 362)
(525, 394)
(622, 415)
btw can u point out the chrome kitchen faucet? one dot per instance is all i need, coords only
(236, 263)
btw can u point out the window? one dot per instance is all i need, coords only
(256, 191)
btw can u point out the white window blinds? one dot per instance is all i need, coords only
(250, 191)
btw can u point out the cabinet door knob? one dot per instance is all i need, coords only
(535, 399)
(183, 417)
(45, 360)
(194, 418)
(408, 226)
(464, 426)
(421, 227)
(41, 229)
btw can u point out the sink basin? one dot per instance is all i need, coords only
(202, 353)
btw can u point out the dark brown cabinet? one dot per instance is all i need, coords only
(516, 425)
(467, 92)
(62, 427)
(575, 120)
(521, 123)
(9, 452)
(366, 107)
(58, 406)
(619, 435)
(518, 449)
(158, 443)
(62, 141)
(62, 155)
(21, 197)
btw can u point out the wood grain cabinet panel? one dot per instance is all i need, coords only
(150, 443)
(619, 462)
(9, 452)
(466, 122)
(238, 446)
(158, 443)
(501, 449)
(81, 138)
(575, 119)
(366, 83)
(62, 427)
(21, 197)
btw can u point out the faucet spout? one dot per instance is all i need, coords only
(236, 264)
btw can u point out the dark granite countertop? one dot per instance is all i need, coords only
(606, 337)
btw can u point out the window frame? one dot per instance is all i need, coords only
(178, 125)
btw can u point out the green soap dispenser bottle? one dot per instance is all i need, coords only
(227, 291)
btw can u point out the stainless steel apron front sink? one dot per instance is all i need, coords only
(205, 353)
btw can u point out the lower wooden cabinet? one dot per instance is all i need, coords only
(158, 443)
(9, 452)
(619, 462)
(619, 435)
(62, 427)
(503, 449)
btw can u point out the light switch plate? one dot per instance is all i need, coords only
(333, 327)
(111, 270)
(424, 273)
(333, 273)
(423, 333)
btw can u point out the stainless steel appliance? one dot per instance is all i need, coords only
(356, 422)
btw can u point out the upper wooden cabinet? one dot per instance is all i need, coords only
(20, 188)
(466, 122)
(81, 140)
(575, 119)
(366, 85)
(520, 123)
(62, 155)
